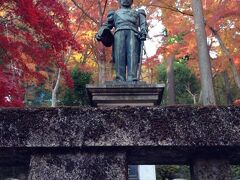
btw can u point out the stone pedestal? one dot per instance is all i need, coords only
(80, 166)
(210, 169)
(125, 94)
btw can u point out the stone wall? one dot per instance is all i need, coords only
(66, 142)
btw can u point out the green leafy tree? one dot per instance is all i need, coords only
(187, 86)
(165, 172)
(168, 172)
(78, 95)
(225, 93)
(235, 172)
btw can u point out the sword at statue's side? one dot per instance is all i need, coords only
(140, 59)
(142, 37)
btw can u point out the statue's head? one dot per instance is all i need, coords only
(126, 3)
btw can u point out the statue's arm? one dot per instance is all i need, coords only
(143, 24)
(110, 20)
(108, 25)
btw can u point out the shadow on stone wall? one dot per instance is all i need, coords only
(14, 165)
(10, 173)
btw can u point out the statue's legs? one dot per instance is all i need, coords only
(132, 51)
(120, 54)
(126, 54)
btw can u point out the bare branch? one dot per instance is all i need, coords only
(226, 51)
(188, 90)
(105, 7)
(170, 8)
(84, 12)
(101, 10)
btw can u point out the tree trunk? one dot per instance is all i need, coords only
(171, 81)
(208, 96)
(194, 96)
(109, 71)
(102, 55)
(194, 99)
(101, 70)
(55, 89)
(227, 88)
(236, 75)
(235, 72)
(200, 97)
(101, 65)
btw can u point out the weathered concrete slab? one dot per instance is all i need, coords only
(153, 135)
(211, 169)
(78, 166)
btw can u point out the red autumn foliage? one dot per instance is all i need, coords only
(30, 32)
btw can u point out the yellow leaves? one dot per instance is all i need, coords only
(77, 57)
(235, 50)
(88, 34)
(84, 60)
(2, 13)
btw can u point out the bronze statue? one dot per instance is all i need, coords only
(130, 32)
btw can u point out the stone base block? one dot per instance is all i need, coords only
(80, 166)
(125, 94)
(211, 169)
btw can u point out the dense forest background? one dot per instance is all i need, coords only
(48, 50)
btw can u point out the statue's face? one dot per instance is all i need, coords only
(126, 3)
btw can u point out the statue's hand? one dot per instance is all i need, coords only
(143, 36)
(105, 36)
(98, 37)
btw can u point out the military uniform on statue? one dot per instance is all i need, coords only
(130, 30)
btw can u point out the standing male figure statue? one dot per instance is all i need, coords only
(130, 32)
